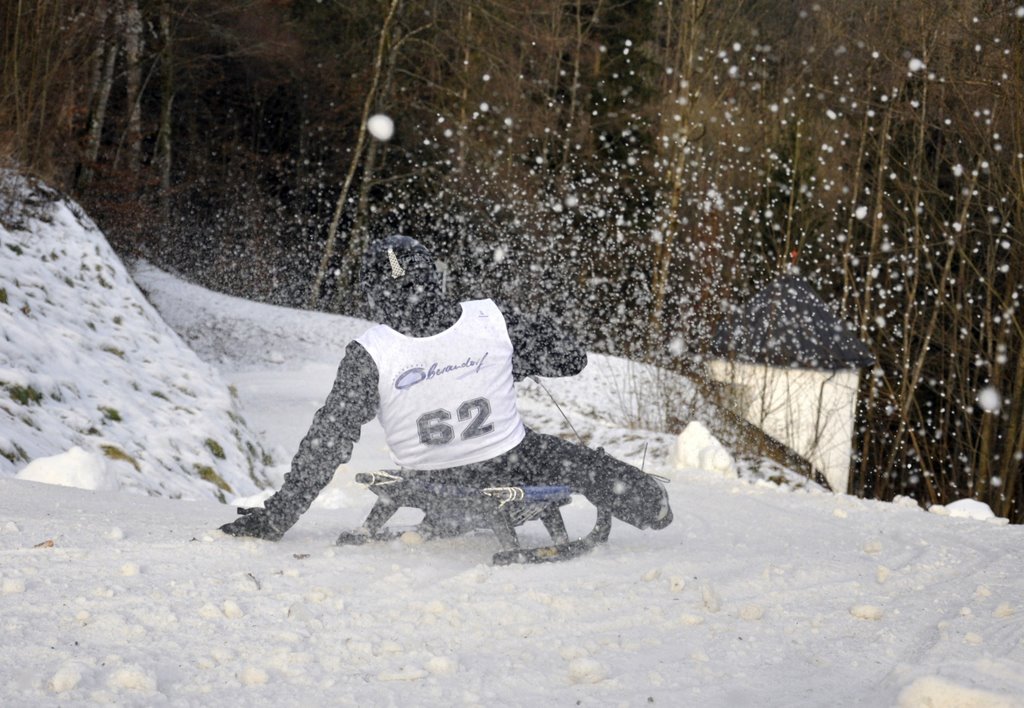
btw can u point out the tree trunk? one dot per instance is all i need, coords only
(339, 208)
(163, 140)
(99, 111)
(682, 34)
(133, 46)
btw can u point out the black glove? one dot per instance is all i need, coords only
(253, 522)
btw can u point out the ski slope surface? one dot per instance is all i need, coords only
(755, 595)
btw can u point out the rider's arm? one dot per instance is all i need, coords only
(353, 401)
(542, 348)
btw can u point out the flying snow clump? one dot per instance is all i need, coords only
(990, 400)
(916, 65)
(381, 127)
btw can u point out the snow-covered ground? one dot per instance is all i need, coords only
(755, 595)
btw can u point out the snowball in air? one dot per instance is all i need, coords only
(916, 65)
(381, 127)
(990, 400)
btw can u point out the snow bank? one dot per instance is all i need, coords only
(87, 364)
(968, 509)
(935, 692)
(74, 468)
(697, 448)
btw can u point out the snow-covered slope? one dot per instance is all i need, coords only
(86, 362)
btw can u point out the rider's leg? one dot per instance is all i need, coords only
(631, 495)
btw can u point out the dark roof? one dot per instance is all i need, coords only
(787, 324)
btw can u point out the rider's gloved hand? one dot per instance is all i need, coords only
(254, 522)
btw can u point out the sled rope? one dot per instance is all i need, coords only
(571, 427)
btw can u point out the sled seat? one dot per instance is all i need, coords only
(454, 509)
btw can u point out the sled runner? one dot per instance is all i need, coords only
(452, 510)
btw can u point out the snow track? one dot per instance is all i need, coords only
(138, 602)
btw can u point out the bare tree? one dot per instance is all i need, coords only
(164, 141)
(107, 47)
(354, 163)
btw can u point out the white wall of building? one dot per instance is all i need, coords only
(812, 412)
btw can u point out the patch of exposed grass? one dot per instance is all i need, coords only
(17, 455)
(109, 349)
(265, 458)
(3, 296)
(210, 475)
(214, 447)
(25, 394)
(111, 414)
(116, 453)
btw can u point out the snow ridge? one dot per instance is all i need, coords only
(87, 363)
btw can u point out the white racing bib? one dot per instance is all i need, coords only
(448, 399)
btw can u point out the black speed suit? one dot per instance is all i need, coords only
(539, 350)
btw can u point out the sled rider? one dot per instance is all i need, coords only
(439, 374)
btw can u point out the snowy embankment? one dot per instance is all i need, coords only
(755, 595)
(87, 365)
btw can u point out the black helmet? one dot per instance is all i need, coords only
(397, 275)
